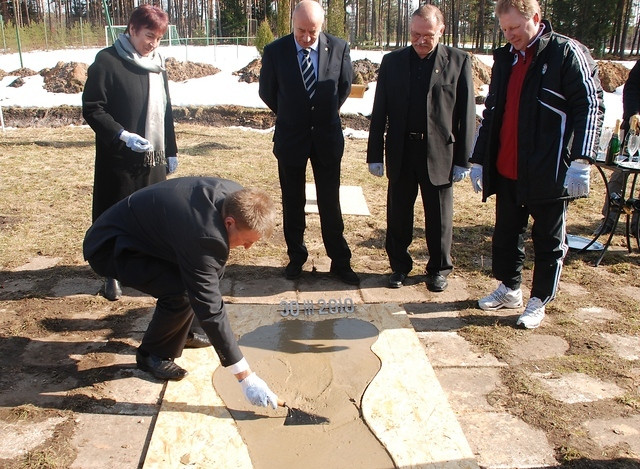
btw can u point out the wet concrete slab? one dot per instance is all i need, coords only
(404, 405)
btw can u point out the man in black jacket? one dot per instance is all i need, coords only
(171, 240)
(541, 124)
(423, 121)
(305, 78)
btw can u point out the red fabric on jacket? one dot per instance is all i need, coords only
(507, 162)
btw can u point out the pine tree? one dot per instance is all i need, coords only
(264, 36)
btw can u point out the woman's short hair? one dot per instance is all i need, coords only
(150, 17)
(252, 209)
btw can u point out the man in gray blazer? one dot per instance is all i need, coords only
(171, 240)
(305, 78)
(423, 121)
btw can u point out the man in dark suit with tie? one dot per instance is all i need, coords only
(305, 78)
(171, 240)
(423, 120)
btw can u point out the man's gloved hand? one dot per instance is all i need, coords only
(172, 164)
(135, 142)
(577, 179)
(459, 173)
(257, 392)
(377, 169)
(476, 177)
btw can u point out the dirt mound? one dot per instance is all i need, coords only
(65, 77)
(366, 69)
(612, 75)
(23, 72)
(480, 72)
(181, 71)
(250, 73)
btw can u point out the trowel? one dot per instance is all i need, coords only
(300, 417)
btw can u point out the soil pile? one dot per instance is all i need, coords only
(23, 72)
(65, 77)
(250, 73)
(181, 71)
(612, 75)
(365, 70)
(480, 72)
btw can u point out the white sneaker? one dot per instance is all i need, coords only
(502, 297)
(533, 314)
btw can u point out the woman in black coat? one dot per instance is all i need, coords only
(126, 102)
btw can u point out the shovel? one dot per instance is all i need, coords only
(300, 417)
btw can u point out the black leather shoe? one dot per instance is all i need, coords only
(293, 271)
(196, 340)
(346, 274)
(436, 282)
(161, 368)
(112, 290)
(396, 279)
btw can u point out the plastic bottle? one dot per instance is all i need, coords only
(614, 145)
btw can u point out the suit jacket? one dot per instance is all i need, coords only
(300, 121)
(179, 221)
(450, 113)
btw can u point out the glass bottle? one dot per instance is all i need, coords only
(614, 145)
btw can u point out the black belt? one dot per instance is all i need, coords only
(415, 136)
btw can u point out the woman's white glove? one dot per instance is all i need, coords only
(172, 164)
(377, 169)
(257, 392)
(476, 177)
(577, 179)
(135, 142)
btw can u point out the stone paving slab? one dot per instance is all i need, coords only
(616, 431)
(626, 346)
(502, 441)
(577, 387)
(467, 388)
(449, 349)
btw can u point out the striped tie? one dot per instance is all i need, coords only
(308, 74)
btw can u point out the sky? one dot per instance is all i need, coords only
(220, 89)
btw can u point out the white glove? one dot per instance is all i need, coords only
(577, 179)
(135, 142)
(476, 177)
(172, 164)
(377, 169)
(257, 392)
(459, 173)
